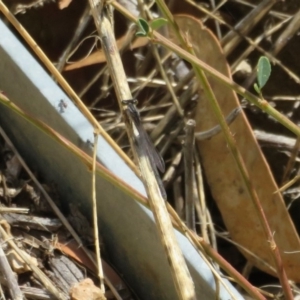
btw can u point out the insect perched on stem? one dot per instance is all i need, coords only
(144, 146)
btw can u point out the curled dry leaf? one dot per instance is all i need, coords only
(226, 184)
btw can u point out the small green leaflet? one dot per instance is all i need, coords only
(143, 26)
(263, 71)
(157, 23)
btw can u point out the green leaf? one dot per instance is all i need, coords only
(140, 33)
(263, 71)
(157, 23)
(257, 88)
(144, 26)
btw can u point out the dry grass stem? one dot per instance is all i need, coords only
(11, 279)
(182, 279)
(189, 182)
(95, 216)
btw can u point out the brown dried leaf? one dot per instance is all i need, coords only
(64, 3)
(86, 290)
(99, 57)
(222, 174)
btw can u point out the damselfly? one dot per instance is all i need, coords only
(143, 143)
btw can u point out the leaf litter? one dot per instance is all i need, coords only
(221, 178)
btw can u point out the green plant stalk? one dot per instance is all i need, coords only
(167, 13)
(236, 154)
(262, 104)
(245, 175)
